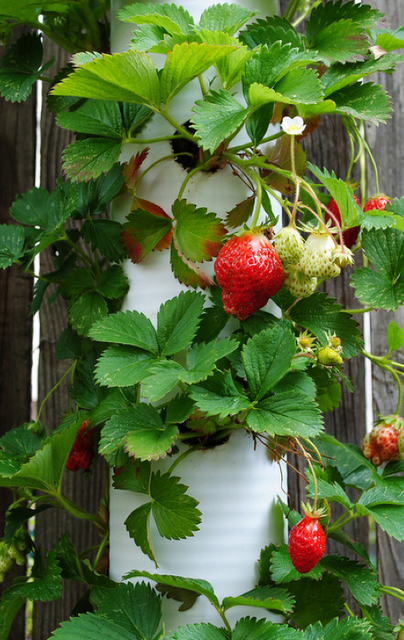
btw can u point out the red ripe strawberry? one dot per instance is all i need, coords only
(382, 443)
(82, 452)
(350, 235)
(377, 202)
(306, 543)
(249, 271)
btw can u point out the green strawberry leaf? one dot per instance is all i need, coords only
(342, 194)
(316, 600)
(360, 580)
(201, 359)
(94, 117)
(112, 283)
(44, 470)
(128, 77)
(93, 627)
(331, 491)
(230, 68)
(135, 476)
(366, 101)
(123, 366)
(168, 17)
(300, 86)
(267, 358)
(21, 442)
(270, 598)
(45, 584)
(336, 30)
(386, 504)
(37, 208)
(283, 570)
(345, 629)
(270, 64)
(178, 320)
(31, 207)
(201, 587)
(126, 603)
(185, 62)
(217, 117)
(198, 234)
(146, 438)
(219, 396)
(383, 286)
(20, 67)
(86, 310)
(389, 40)
(269, 30)
(11, 244)
(175, 513)
(129, 328)
(104, 235)
(340, 75)
(283, 414)
(395, 336)
(138, 527)
(225, 17)
(262, 629)
(89, 158)
(322, 315)
(94, 196)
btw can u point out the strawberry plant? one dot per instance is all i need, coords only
(215, 360)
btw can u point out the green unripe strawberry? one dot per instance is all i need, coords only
(329, 357)
(299, 284)
(289, 245)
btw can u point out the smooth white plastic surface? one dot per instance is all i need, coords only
(236, 484)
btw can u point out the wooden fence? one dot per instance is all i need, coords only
(327, 147)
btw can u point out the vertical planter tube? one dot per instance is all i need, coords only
(235, 483)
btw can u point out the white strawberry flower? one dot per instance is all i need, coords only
(293, 126)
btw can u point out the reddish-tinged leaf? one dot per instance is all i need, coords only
(198, 234)
(187, 272)
(279, 155)
(131, 168)
(240, 213)
(148, 227)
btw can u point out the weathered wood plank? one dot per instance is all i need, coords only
(17, 175)
(386, 143)
(86, 492)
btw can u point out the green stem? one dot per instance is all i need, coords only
(184, 455)
(304, 452)
(59, 382)
(291, 9)
(244, 147)
(76, 511)
(187, 179)
(353, 311)
(341, 523)
(147, 141)
(78, 250)
(100, 550)
(177, 127)
(258, 202)
(392, 591)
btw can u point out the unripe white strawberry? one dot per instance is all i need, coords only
(317, 260)
(289, 245)
(299, 284)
